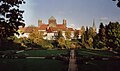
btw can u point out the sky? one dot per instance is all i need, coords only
(77, 12)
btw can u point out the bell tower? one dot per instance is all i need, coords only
(39, 22)
(64, 22)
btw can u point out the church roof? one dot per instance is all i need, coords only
(29, 29)
(43, 27)
(70, 29)
(52, 18)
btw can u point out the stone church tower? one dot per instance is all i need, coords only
(40, 22)
(64, 22)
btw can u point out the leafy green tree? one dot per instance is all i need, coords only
(68, 34)
(99, 40)
(82, 30)
(67, 43)
(61, 42)
(102, 33)
(83, 35)
(113, 35)
(36, 36)
(10, 18)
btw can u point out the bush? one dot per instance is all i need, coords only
(21, 55)
(66, 60)
(49, 57)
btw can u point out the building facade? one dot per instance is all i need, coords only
(52, 28)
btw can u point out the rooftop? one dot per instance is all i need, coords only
(52, 18)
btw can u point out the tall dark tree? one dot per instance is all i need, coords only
(86, 34)
(59, 34)
(10, 17)
(99, 40)
(102, 34)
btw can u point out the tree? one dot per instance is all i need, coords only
(76, 34)
(118, 3)
(82, 30)
(68, 34)
(10, 18)
(86, 35)
(59, 34)
(113, 35)
(102, 34)
(67, 43)
(61, 42)
(36, 36)
(99, 40)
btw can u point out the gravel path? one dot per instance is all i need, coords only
(72, 62)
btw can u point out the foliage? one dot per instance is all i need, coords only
(68, 43)
(76, 34)
(11, 17)
(100, 38)
(59, 34)
(61, 42)
(113, 35)
(12, 43)
(118, 3)
(68, 34)
(108, 36)
(82, 30)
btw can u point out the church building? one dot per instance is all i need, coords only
(52, 28)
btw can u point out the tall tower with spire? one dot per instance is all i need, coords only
(94, 27)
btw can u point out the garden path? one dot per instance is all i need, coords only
(72, 62)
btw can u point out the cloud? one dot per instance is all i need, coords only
(72, 25)
(104, 19)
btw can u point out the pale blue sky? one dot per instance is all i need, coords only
(77, 12)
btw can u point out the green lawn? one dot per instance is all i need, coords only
(98, 65)
(45, 52)
(90, 53)
(31, 65)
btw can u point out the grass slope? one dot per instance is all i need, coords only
(45, 52)
(90, 53)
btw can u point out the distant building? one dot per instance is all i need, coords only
(50, 30)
